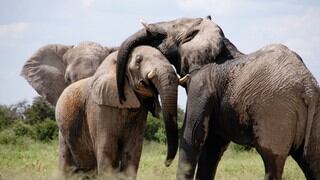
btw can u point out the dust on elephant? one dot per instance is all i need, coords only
(53, 67)
(267, 99)
(97, 131)
(188, 43)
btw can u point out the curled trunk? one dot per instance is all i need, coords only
(142, 37)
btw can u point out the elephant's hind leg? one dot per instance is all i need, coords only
(303, 163)
(274, 132)
(273, 163)
(73, 127)
(309, 161)
(210, 156)
(66, 164)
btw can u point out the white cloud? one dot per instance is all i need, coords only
(87, 3)
(300, 32)
(14, 30)
(216, 6)
(227, 6)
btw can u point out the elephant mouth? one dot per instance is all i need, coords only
(147, 88)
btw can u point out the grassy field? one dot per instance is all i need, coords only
(32, 160)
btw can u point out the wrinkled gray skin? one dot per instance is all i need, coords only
(189, 44)
(267, 99)
(53, 67)
(99, 132)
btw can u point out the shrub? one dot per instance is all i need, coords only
(22, 129)
(39, 111)
(5, 117)
(153, 126)
(46, 130)
(240, 148)
(8, 136)
(155, 130)
(160, 135)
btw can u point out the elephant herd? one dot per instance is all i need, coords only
(267, 99)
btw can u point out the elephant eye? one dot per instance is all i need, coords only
(139, 58)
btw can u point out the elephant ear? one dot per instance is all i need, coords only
(44, 71)
(104, 89)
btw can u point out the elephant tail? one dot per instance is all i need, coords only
(313, 103)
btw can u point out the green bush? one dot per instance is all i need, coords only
(152, 132)
(46, 130)
(39, 111)
(155, 130)
(22, 129)
(8, 136)
(160, 135)
(5, 117)
(240, 148)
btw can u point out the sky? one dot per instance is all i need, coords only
(26, 25)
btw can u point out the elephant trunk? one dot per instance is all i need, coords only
(167, 85)
(142, 37)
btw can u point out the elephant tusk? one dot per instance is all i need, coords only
(144, 24)
(184, 79)
(151, 74)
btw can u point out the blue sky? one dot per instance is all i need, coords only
(26, 25)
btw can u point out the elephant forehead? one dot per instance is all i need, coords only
(85, 51)
(178, 24)
(146, 51)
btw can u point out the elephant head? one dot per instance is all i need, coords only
(53, 67)
(188, 43)
(148, 73)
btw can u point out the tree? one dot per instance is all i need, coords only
(39, 111)
(5, 116)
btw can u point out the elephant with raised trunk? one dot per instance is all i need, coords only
(188, 43)
(53, 67)
(191, 43)
(99, 132)
(267, 99)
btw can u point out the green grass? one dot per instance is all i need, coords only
(27, 159)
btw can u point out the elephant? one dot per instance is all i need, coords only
(53, 67)
(190, 44)
(267, 99)
(99, 132)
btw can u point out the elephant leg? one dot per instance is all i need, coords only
(130, 157)
(273, 164)
(210, 156)
(107, 150)
(107, 159)
(274, 128)
(303, 163)
(195, 130)
(309, 161)
(132, 144)
(108, 146)
(66, 163)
